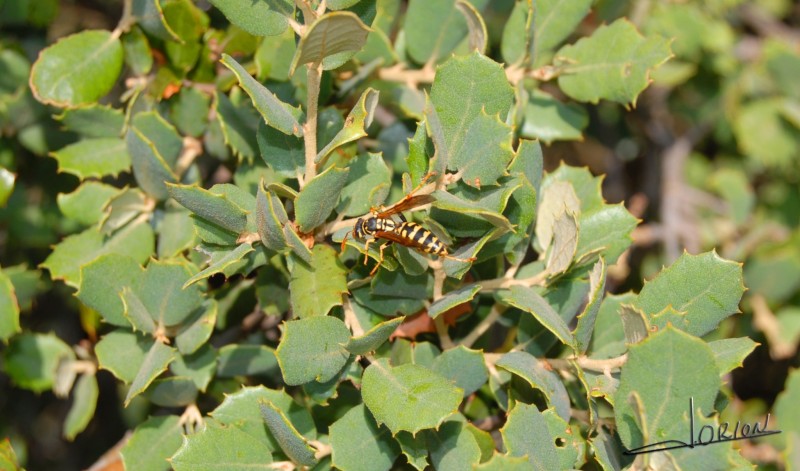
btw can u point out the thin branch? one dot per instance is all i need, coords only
(586, 363)
(350, 318)
(192, 148)
(765, 321)
(507, 282)
(495, 314)
(439, 277)
(313, 76)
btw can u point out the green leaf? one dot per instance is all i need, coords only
(263, 18)
(221, 261)
(634, 323)
(553, 22)
(472, 97)
(477, 36)
(484, 209)
(85, 205)
(274, 55)
(152, 443)
(505, 462)
(9, 309)
(173, 391)
(607, 229)
(246, 360)
(464, 367)
(283, 153)
(78, 69)
(156, 361)
(786, 404)
(453, 446)
(356, 124)
(8, 458)
(705, 288)
(291, 441)
(565, 243)
(189, 111)
(548, 119)
(527, 367)
(239, 123)
(686, 368)
(162, 296)
(138, 55)
(153, 145)
(608, 339)
(331, 40)
(122, 208)
(102, 281)
(200, 366)
(526, 433)
(7, 180)
(530, 301)
(296, 244)
(604, 229)
(433, 29)
(197, 328)
(414, 448)
(373, 338)
(242, 409)
(122, 352)
(94, 157)
(317, 287)
(150, 16)
(452, 299)
(31, 360)
(408, 397)
(358, 442)
(586, 319)
(613, 63)
(175, 233)
(730, 353)
(367, 187)
(214, 206)
(276, 113)
(270, 218)
(219, 446)
(189, 23)
(513, 47)
(312, 349)
(94, 120)
(75, 251)
(764, 135)
(318, 198)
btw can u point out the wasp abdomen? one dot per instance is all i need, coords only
(422, 238)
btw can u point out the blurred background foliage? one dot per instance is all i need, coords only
(709, 157)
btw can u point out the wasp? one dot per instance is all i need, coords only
(380, 225)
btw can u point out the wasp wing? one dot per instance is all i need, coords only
(405, 204)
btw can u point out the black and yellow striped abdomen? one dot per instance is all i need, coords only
(422, 238)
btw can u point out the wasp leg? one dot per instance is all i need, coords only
(465, 260)
(380, 258)
(366, 250)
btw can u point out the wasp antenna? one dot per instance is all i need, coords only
(344, 241)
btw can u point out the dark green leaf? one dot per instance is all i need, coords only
(275, 112)
(291, 441)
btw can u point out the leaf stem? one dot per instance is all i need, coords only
(313, 78)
